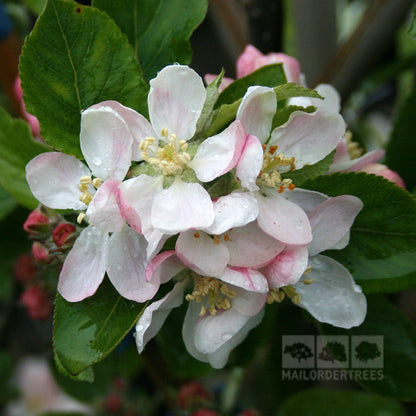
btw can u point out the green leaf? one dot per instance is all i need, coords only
(76, 56)
(309, 172)
(399, 348)
(401, 150)
(17, 148)
(325, 402)
(412, 29)
(267, 76)
(35, 6)
(7, 203)
(86, 332)
(223, 116)
(212, 96)
(291, 89)
(159, 30)
(381, 254)
(282, 115)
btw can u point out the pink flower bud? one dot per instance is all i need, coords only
(62, 233)
(113, 403)
(37, 302)
(191, 394)
(205, 412)
(250, 412)
(37, 223)
(41, 253)
(385, 172)
(32, 120)
(252, 59)
(25, 269)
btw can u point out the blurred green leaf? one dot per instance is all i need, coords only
(35, 6)
(159, 30)
(267, 76)
(381, 254)
(401, 150)
(399, 349)
(7, 203)
(86, 332)
(325, 402)
(17, 148)
(76, 56)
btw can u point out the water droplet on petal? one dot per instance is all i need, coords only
(139, 328)
(97, 161)
(226, 336)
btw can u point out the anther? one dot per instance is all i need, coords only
(81, 217)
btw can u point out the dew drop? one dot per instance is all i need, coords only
(226, 336)
(139, 328)
(97, 161)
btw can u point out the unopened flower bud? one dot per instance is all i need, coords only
(25, 269)
(62, 233)
(37, 302)
(205, 412)
(385, 172)
(113, 403)
(37, 223)
(250, 412)
(192, 394)
(41, 253)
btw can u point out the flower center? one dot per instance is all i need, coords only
(212, 294)
(86, 195)
(354, 149)
(169, 159)
(273, 164)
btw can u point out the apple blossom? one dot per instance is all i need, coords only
(107, 244)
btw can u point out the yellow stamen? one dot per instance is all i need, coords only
(81, 217)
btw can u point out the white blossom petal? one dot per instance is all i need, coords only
(309, 137)
(287, 267)
(333, 297)
(155, 315)
(256, 111)
(85, 265)
(163, 267)
(54, 178)
(104, 210)
(306, 199)
(201, 253)
(219, 154)
(106, 142)
(250, 164)
(181, 207)
(283, 220)
(233, 210)
(331, 220)
(249, 246)
(252, 281)
(127, 262)
(176, 98)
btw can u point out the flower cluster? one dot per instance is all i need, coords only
(241, 233)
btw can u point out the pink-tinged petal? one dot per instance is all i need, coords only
(163, 267)
(333, 297)
(201, 253)
(181, 207)
(286, 268)
(385, 172)
(246, 61)
(155, 241)
(176, 98)
(106, 142)
(155, 315)
(193, 333)
(248, 279)
(220, 153)
(54, 178)
(127, 262)
(138, 125)
(233, 210)
(283, 220)
(249, 246)
(256, 111)
(291, 65)
(331, 220)
(128, 212)
(139, 193)
(85, 265)
(250, 164)
(104, 210)
(225, 82)
(309, 137)
(346, 164)
(306, 199)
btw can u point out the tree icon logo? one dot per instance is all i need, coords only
(333, 351)
(366, 351)
(299, 351)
